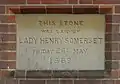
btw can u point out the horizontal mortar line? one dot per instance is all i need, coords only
(107, 14)
(115, 14)
(98, 13)
(112, 42)
(46, 4)
(66, 79)
(95, 79)
(118, 68)
(79, 79)
(115, 70)
(56, 4)
(108, 79)
(111, 33)
(8, 33)
(107, 42)
(111, 14)
(45, 78)
(118, 78)
(113, 23)
(7, 42)
(7, 14)
(115, 42)
(8, 23)
(8, 51)
(112, 60)
(112, 51)
(7, 69)
(63, 79)
(109, 52)
(75, 14)
(7, 60)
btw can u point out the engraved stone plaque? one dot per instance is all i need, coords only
(60, 41)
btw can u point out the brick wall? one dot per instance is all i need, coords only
(8, 74)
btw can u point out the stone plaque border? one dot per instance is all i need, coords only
(94, 9)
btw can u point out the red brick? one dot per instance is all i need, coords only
(53, 82)
(106, 10)
(115, 46)
(5, 73)
(116, 37)
(112, 28)
(7, 18)
(108, 18)
(2, 81)
(108, 37)
(85, 1)
(108, 47)
(117, 9)
(112, 55)
(53, 1)
(113, 18)
(115, 65)
(7, 37)
(59, 9)
(73, 1)
(119, 73)
(0, 74)
(33, 1)
(32, 9)
(11, 81)
(66, 82)
(119, 46)
(7, 46)
(3, 1)
(87, 82)
(3, 19)
(11, 28)
(7, 28)
(12, 1)
(2, 9)
(114, 74)
(7, 64)
(3, 27)
(111, 46)
(112, 65)
(32, 82)
(108, 55)
(117, 81)
(85, 9)
(13, 9)
(16, 1)
(106, 1)
(11, 19)
(8, 55)
(108, 82)
(116, 55)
